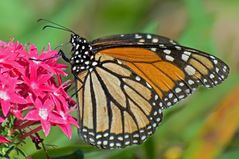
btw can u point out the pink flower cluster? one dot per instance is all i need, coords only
(32, 91)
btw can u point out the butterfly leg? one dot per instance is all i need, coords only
(62, 54)
(75, 93)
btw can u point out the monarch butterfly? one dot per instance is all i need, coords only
(125, 81)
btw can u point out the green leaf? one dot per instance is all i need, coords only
(77, 154)
(149, 148)
(232, 154)
(65, 152)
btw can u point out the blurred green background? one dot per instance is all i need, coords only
(205, 125)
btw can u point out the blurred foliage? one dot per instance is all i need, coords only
(203, 126)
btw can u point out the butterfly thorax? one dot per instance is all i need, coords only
(83, 58)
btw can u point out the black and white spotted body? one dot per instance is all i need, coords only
(83, 58)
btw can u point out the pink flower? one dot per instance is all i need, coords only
(1, 120)
(67, 121)
(32, 92)
(44, 112)
(46, 65)
(3, 139)
(8, 94)
(37, 82)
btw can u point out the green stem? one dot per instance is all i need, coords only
(31, 132)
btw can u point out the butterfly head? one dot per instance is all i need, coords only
(77, 40)
(82, 56)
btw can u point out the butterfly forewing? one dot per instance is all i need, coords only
(117, 107)
(174, 71)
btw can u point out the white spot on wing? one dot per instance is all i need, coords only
(137, 36)
(156, 97)
(187, 53)
(172, 42)
(98, 136)
(166, 51)
(153, 49)
(190, 82)
(177, 90)
(105, 142)
(211, 76)
(149, 36)
(155, 40)
(170, 95)
(190, 70)
(178, 47)
(143, 137)
(112, 144)
(162, 46)
(169, 58)
(185, 57)
(141, 40)
(148, 85)
(137, 78)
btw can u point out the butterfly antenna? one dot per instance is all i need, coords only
(63, 44)
(55, 25)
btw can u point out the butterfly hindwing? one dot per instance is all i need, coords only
(117, 107)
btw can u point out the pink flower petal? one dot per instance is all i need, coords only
(17, 114)
(18, 99)
(73, 121)
(46, 126)
(5, 107)
(32, 115)
(1, 119)
(38, 103)
(66, 130)
(55, 119)
(4, 139)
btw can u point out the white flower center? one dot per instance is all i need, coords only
(56, 94)
(34, 85)
(63, 115)
(43, 113)
(3, 95)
